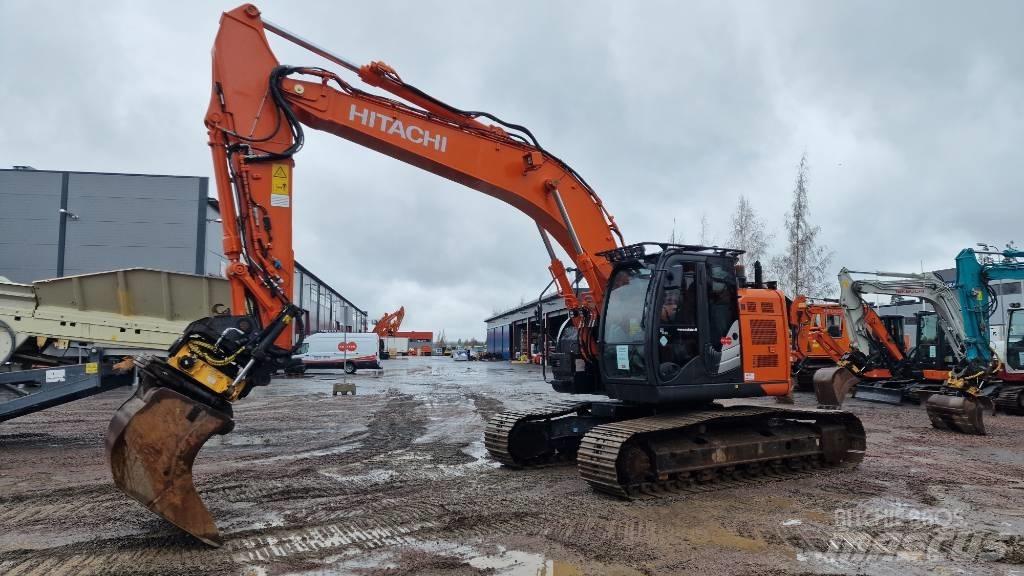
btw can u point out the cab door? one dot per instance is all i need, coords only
(695, 322)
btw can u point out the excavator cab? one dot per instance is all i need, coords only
(931, 350)
(670, 331)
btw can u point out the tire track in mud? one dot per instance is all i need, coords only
(323, 533)
(146, 555)
(393, 427)
(280, 486)
(335, 515)
(58, 508)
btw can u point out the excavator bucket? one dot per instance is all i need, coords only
(957, 413)
(832, 385)
(151, 443)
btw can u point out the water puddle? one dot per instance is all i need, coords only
(310, 453)
(369, 478)
(517, 563)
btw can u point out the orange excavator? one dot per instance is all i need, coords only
(808, 318)
(664, 330)
(388, 326)
(389, 323)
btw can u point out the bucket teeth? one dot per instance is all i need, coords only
(152, 442)
(962, 414)
(832, 385)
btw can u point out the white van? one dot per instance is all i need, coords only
(348, 350)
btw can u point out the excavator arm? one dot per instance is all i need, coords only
(256, 117)
(867, 330)
(389, 323)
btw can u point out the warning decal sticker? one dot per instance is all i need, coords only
(279, 186)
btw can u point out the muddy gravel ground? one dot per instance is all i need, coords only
(395, 480)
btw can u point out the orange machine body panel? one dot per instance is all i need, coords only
(822, 316)
(765, 340)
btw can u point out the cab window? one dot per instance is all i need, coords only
(722, 298)
(623, 326)
(834, 325)
(1016, 332)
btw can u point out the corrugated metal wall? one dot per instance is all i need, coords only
(29, 224)
(126, 221)
(111, 221)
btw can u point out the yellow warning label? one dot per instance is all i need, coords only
(280, 179)
(92, 367)
(279, 186)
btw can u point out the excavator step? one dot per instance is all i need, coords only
(718, 448)
(512, 427)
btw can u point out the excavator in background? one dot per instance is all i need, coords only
(387, 327)
(389, 323)
(878, 362)
(989, 373)
(809, 355)
(663, 332)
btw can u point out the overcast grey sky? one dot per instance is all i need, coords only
(911, 113)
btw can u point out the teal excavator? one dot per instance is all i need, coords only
(991, 372)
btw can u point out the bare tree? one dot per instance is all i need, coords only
(749, 232)
(802, 268)
(705, 231)
(673, 238)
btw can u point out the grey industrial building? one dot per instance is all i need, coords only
(520, 331)
(55, 224)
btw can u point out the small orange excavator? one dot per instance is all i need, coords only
(664, 330)
(389, 323)
(809, 354)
